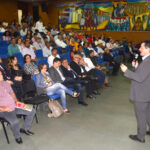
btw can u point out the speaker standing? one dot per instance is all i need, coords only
(140, 91)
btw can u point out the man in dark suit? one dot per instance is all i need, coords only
(140, 91)
(91, 86)
(58, 77)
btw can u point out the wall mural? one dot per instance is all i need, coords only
(125, 15)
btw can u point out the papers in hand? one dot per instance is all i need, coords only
(24, 106)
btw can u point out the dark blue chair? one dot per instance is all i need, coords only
(39, 54)
(3, 52)
(67, 56)
(1, 34)
(20, 59)
(4, 43)
(58, 49)
(68, 48)
(101, 60)
(44, 60)
(95, 49)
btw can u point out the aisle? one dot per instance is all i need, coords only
(104, 125)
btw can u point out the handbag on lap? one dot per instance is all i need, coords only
(56, 109)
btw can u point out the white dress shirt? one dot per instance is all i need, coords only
(47, 51)
(37, 45)
(29, 51)
(144, 57)
(92, 49)
(90, 64)
(50, 59)
(23, 32)
(60, 43)
(99, 50)
(61, 75)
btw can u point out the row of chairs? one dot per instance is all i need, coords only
(35, 101)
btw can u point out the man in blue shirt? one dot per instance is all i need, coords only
(13, 48)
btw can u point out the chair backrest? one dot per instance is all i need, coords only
(19, 56)
(34, 78)
(101, 59)
(58, 49)
(68, 48)
(96, 49)
(67, 56)
(44, 60)
(20, 59)
(39, 53)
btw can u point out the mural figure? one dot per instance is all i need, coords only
(109, 16)
(94, 20)
(138, 23)
(88, 19)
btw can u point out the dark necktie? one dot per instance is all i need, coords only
(74, 73)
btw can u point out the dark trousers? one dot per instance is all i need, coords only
(14, 122)
(101, 76)
(72, 83)
(142, 111)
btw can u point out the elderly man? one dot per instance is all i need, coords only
(140, 91)
(8, 111)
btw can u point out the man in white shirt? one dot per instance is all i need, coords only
(29, 50)
(47, 49)
(99, 49)
(59, 42)
(37, 44)
(52, 56)
(39, 26)
(23, 31)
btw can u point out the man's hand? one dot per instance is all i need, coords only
(68, 67)
(7, 109)
(135, 64)
(84, 76)
(123, 68)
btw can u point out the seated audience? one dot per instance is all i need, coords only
(24, 81)
(8, 111)
(82, 75)
(52, 56)
(30, 67)
(108, 56)
(6, 36)
(28, 49)
(20, 44)
(99, 48)
(47, 50)
(13, 48)
(38, 44)
(44, 81)
(57, 76)
(59, 42)
(23, 31)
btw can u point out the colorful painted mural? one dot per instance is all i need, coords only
(125, 15)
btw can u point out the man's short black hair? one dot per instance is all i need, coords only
(63, 59)
(90, 52)
(56, 60)
(54, 49)
(147, 43)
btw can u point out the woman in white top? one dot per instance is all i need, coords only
(20, 44)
